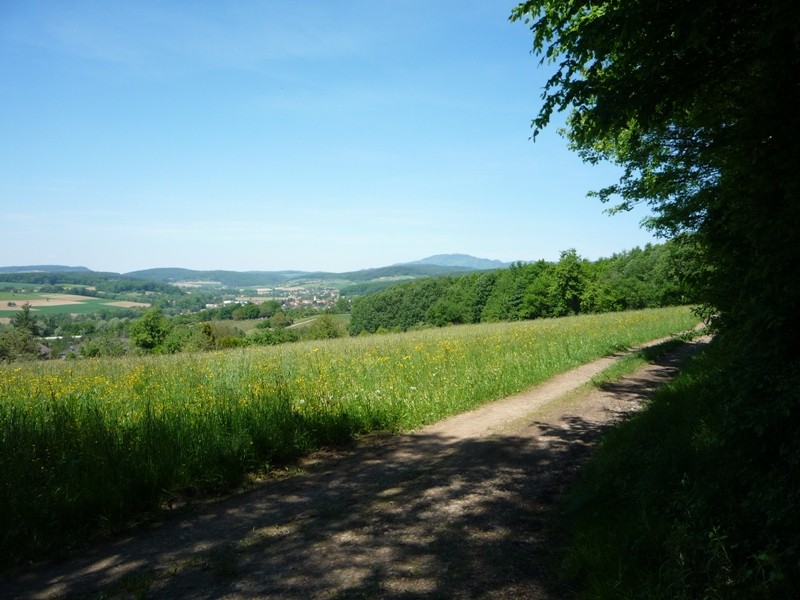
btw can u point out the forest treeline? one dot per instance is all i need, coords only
(649, 277)
(74, 282)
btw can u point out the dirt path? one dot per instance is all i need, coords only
(455, 510)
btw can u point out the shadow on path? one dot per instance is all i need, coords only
(413, 517)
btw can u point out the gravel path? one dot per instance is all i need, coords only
(455, 510)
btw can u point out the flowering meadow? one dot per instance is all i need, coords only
(87, 445)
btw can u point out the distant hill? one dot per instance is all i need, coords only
(226, 278)
(278, 278)
(407, 270)
(461, 260)
(45, 269)
(442, 264)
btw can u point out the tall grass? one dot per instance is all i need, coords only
(86, 445)
(691, 497)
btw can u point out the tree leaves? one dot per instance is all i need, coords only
(697, 102)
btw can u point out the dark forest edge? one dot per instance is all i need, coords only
(696, 103)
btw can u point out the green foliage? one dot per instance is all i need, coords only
(268, 309)
(280, 319)
(569, 284)
(505, 301)
(342, 305)
(16, 344)
(642, 278)
(246, 311)
(106, 344)
(23, 320)
(401, 307)
(697, 102)
(181, 338)
(150, 330)
(325, 327)
(368, 287)
(199, 337)
(681, 502)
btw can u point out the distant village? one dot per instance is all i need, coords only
(291, 298)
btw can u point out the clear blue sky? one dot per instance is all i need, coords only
(267, 135)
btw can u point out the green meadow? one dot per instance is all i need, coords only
(88, 445)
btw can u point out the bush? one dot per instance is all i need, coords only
(691, 498)
(325, 327)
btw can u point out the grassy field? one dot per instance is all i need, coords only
(87, 445)
(14, 285)
(303, 322)
(246, 325)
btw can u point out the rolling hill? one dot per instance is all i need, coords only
(442, 264)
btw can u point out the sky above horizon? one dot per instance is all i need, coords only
(264, 135)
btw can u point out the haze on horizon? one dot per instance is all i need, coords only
(271, 136)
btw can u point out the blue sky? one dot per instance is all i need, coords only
(272, 135)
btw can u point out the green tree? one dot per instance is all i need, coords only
(16, 344)
(280, 319)
(246, 311)
(481, 291)
(696, 101)
(445, 311)
(268, 308)
(538, 301)
(325, 327)
(103, 344)
(342, 305)
(150, 330)
(400, 307)
(505, 303)
(23, 320)
(569, 284)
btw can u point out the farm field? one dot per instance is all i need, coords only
(11, 302)
(88, 445)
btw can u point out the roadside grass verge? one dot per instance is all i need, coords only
(689, 498)
(632, 361)
(86, 446)
(624, 365)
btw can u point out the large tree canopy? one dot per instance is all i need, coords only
(697, 101)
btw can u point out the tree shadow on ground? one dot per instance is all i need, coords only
(413, 516)
(629, 392)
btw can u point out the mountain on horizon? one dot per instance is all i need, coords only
(45, 269)
(461, 260)
(440, 264)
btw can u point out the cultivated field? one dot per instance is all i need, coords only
(88, 444)
(11, 302)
